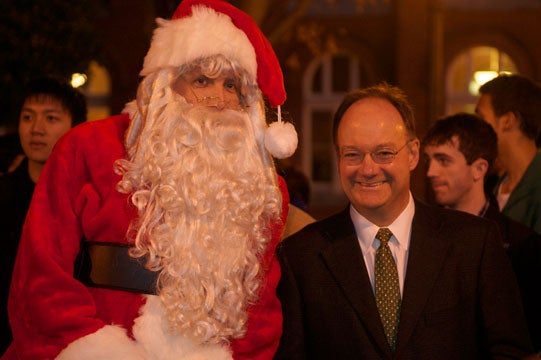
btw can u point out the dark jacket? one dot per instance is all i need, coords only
(16, 191)
(523, 245)
(460, 298)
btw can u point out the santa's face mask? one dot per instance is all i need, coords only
(217, 91)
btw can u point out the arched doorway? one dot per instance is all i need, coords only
(468, 71)
(97, 88)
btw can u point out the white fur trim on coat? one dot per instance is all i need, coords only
(109, 342)
(150, 330)
(206, 32)
(152, 341)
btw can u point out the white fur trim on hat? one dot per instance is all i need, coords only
(207, 32)
(281, 139)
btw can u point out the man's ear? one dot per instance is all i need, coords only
(414, 147)
(479, 169)
(509, 121)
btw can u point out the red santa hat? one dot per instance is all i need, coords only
(201, 28)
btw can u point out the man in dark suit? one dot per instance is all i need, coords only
(434, 284)
(461, 150)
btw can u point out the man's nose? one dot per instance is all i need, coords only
(38, 125)
(430, 169)
(216, 96)
(367, 165)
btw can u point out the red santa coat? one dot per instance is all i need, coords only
(55, 316)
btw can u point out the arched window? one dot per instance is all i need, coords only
(326, 80)
(468, 71)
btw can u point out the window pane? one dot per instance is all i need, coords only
(323, 156)
(340, 74)
(317, 81)
(364, 76)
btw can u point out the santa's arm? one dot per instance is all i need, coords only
(48, 308)
(265, 317)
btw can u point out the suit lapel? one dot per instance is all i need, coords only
(427, 249)
(346, 264)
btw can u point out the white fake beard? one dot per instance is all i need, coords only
(205, 201)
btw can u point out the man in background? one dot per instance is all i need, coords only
(461, 150)
(50, 108)
(511, 104)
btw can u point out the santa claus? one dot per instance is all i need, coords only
(151, 234)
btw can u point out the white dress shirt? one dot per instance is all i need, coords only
(399, 242)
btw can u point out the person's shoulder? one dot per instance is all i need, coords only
(17, 176)
(322, 231)
(116, 124)
(440, 212)
(8, 177)
(448, 219)
(325, 224)
(532, 176)
(296, 220)
(513, 232)
(94, 133)
(520, 236)
(508, 224)
(16, 190)
(459, 230)
(7, 182)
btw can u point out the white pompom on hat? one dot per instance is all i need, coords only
(201, 28)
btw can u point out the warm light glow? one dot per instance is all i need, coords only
(479, 78)
(78, 80)
(482, 77)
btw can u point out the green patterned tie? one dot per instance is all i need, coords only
(387, 287)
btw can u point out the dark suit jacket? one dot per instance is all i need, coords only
(460, 297)
(16, 189)
(523, 245)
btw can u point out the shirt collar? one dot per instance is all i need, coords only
(400, 227)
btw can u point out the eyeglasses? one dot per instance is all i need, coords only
(352, 156)
(217, 102)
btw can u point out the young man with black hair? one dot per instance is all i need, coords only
(50, 108)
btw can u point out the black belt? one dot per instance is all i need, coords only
(109, 265)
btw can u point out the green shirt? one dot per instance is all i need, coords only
(524, 204)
